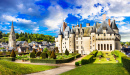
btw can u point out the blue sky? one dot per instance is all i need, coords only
(46, 16)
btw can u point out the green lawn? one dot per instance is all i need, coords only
(98, 69)
(11, 68)
(104, 60)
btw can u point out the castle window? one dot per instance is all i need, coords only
(76, 42)
(110, 34)
(90, 47)
(65, 42)
(81, 42)
(76, 38)
(77, 47)
(65, 46)
(98, 46)
(110, 46)
(81, 38)
(81, 47)
(107, 46)
(104, 46)
(93, 36)
(101, 46)
(98, 34)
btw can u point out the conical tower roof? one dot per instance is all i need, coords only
(12, 29)
(94, 29)
(113, 25)
(60, 33)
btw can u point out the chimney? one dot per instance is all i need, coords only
(109, 22)
(77, 25)
(63, 26)
(104, 17)
(72, 26)
(80, 26)
(87, 24)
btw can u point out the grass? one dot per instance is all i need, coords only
(104, 60)
(98, 69)
(11, 68)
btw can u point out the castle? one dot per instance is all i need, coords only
(101, 36)
(12, 38)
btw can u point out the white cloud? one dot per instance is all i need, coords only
(35, 30)
(20, 6)
(18, 20)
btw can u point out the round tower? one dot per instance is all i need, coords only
(60, 41)
(72, 41)
(114, 27)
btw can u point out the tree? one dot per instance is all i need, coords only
(0, 34)
(66, 52)
(45, 50)
(53, 55)
(122, 43)
(13, 54)
(127, 43)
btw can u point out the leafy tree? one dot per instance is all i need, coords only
(0, 34)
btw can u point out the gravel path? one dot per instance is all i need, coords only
(62, 67)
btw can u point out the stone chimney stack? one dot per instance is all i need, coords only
(77, 25)
(72, 26)
(63, 26)
(87, 24)
(109, 22)
(104, 17)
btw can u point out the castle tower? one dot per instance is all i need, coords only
(93, 38)
(12, 37)
(72, 41)
(60, 41)
(114, 27)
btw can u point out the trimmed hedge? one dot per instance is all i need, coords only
(94, 53)
(126, 63)
(76, 63)
(7, 58)
(54, 61)
(4, 55)
(87, 59)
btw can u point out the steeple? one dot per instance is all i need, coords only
(12, 29)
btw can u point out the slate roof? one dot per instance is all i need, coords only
(94, 29)
(104, 25)
(113, 25)
(72, 32)
(60, 33)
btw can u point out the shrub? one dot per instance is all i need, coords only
(34, 51)
(53, 55)
(56, 49)
(99, 54)
(32, 55)
(45, 50)
(94, 53)
(77, 63)
(87, 59)
(43, 55)
(1, 53)
(49, 53)
(126, 63)
(38, 53)
(13, 54)
(66, 52)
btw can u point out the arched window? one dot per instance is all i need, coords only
(110, 46)
(101, 46)
(98, 46)
(104, 46)
(107, 46)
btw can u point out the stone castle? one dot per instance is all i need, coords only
(12, 38)
(101, 36)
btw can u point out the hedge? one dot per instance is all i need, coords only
(7, 58)
(87, 59)
(5, 55)
(126, 62)
(94, 53)
(54, 61)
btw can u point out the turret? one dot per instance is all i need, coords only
(60, 41)
(114, 27)
(72, 41)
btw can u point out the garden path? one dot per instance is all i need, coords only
(62, 67)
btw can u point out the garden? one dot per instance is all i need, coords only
(102, 63)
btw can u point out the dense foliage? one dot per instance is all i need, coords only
(38, 53)
(87, 59)
(12, 54)
(77, 63)
(43, 55)
(32, 55)
(100, 54)
(94, 53)
(45, 50)
(126, 63)
(27, 37)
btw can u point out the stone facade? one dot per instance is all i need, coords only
(12, 38)
(101, 36)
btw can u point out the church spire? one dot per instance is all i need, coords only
(12, 28)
